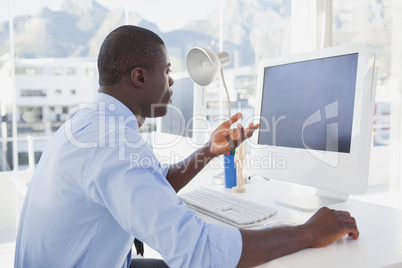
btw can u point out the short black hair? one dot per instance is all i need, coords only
(124, 49)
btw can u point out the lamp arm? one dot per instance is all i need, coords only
(227, 93)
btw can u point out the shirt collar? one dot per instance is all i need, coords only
(111, 106)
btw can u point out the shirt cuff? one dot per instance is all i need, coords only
(226, 237)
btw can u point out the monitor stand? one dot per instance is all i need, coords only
(322, 198)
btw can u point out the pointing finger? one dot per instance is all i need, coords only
(232, 120)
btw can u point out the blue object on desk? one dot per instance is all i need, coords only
(230, 170)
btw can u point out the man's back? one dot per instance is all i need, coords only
(59, 219)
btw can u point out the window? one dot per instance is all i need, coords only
(27, 70)
(57, 71)
(374, 22)
(89, 72)
(70, 71)
(249, 33)
(31, 114)
(33, 93)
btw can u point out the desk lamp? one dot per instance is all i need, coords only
(203, 65)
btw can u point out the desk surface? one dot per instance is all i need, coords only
(379, 244)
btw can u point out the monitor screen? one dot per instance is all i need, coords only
(309, 104)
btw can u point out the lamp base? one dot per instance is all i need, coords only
(219, 179)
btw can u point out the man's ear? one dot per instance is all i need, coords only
(137, 77)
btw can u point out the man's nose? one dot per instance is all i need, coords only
(171, 81)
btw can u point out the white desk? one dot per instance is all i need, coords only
(379, 244)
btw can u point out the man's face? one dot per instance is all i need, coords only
(158, 90)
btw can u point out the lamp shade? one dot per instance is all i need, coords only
(203, 64)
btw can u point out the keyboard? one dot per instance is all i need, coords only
(227, 208)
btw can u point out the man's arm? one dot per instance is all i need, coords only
(183, 172)
(223, 139)
(323, 228)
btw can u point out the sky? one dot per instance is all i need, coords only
(169, 14)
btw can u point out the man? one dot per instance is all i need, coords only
(88, 201)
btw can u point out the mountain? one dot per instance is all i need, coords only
(72, 31)
(54, 34)
(252, 29)
(79, 27)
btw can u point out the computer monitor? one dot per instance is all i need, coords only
(178, 120)
(172, 140)
(316, 113)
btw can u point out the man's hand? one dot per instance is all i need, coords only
(225, 139)
(222, 140)
(328, 225)
(323, 228)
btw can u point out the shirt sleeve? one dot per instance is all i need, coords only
(165, 169)
(135, 192)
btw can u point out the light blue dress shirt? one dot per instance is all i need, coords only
(97, 186)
